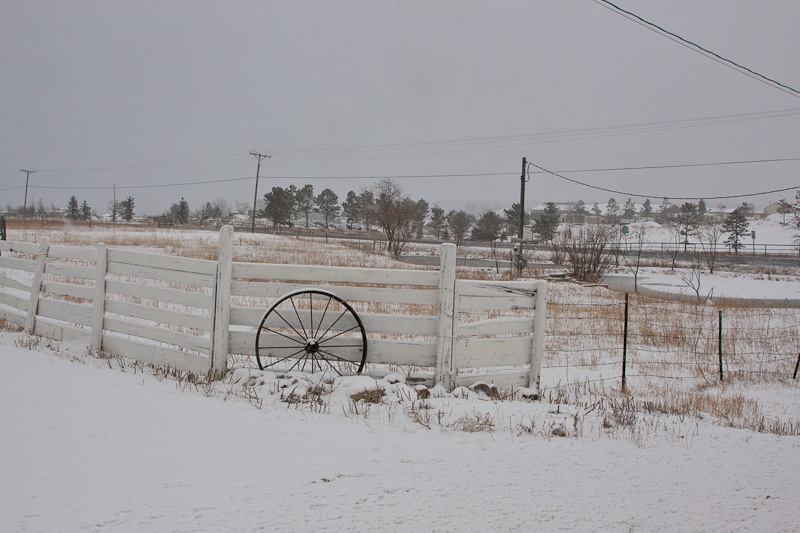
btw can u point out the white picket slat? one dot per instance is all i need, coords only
(163, 262)
(127, 327)
(73, 252)
(69, 271)
(161, 316)
(13, 301)
(347, 293)
(15, 263)
(160, 294)
(83, 292)
(379, 351)
(157, 355)
(496, 326)
(330, 274)
(11, 283)
(478, 353)
(69, 312)
(374, 323)
(19, 247)
(160, 274)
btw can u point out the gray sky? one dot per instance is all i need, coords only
(150, 93)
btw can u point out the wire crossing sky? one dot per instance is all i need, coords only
(166, 100)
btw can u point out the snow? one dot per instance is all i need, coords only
(100, 445)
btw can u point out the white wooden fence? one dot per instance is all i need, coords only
(193, 314)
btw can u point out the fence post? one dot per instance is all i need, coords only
(445, 361)
(796, 367)
(2, 228)
(99, 298)
(222, 304)
(625, 345)
(539, 321)
(720, 346)
(36, 285)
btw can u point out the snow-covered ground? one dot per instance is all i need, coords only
(90, 445)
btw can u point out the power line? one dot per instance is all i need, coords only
(699, 49)
(636, 195)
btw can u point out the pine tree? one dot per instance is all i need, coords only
(328, 203)
(73, 210)
(736, 226)
(127, 209)
(629, 210)
(438, 221)
(86, 211)
(547, 224)
(647, 209)
(278, 206)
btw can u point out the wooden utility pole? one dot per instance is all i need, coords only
(27, 176)
(259, 156)
(522, 179)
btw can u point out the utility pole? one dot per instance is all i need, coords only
(522, 180)
(27, 176)
(259, 156)
(114, 205)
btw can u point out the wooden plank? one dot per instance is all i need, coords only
(12, 317)
(373, 323)
(482, 303)
(165, 262)
(467, 287)
(13, 301)
(476, 353)
(68, 289)
(59, 332)
(448, 318)
(36, 284)
(69, 312)
(347, 293)
(11, 283)
(15, 263)
(379, 351)
(156, 355)
(222, 304)
(502, 380)
(19, 247)
(183, 340)
(162, 316)
(496, 326)
(160, 294)
(161, 274)
(318, 274)
(70, 271)
(79, 253)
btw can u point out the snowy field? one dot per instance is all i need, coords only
(92, 444)
(89, 445)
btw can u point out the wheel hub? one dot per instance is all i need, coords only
(312, 346)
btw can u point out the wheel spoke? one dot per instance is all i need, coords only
(300, 320)
(282, 335)
(337, 357)
(334, 323)
(285, 358)
(291, 326)
(340, 333)
(322, 319)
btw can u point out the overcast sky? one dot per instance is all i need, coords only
(158, 96)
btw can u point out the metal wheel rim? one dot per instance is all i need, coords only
(313, 341)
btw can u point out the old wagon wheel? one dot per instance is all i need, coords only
(311, 328)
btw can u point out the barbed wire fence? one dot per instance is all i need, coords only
(629, 340)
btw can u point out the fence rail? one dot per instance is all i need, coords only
(194, 314)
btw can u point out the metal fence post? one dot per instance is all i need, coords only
(721, 378)
(625, 345)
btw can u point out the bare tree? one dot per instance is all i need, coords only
(710, 236)
(395, 214)
(633, 261)
(586, 249)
